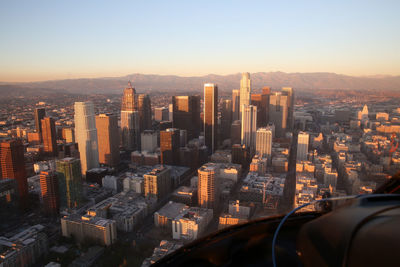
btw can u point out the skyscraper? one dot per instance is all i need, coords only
(49, 192)
(86, 135)
(249, 127)
(245, 91)
(226, 119)
(69, 182)
(40, 113)
(130, 124)
(12, 165)
(236, 132)
(261, 102)
(278, 112)
(302, 146)
(157, 183)
(264, 141)
(235, 105)
(49, 136)
(207, 193)
(169, 146)
(108, 139)
(186, 114)
(211, 116)
(290, 103)
(161, 114)
(144, 109)
(266, 92)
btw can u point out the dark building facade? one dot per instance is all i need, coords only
(49, 137)
(169, 146)
(226, 119)
(40, 113)
(144, 108)
(211, 116)
(12, 164)
(49, 192)
(186, 114)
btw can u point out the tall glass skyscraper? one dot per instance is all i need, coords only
(86, 135)
(245, 91)
(130, 122)
(211, 116)
(69, 182)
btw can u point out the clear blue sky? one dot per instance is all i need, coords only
(42, 40)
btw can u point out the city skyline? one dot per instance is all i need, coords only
(289, 37)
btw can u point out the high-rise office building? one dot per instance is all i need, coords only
(207, 193)
(264, 141)
(266, 92)
(249, 127)
(49, 192)
(144, 109)
(186, 114)
(169, 146)
(130, 125)
(290, 103)
(261, 102)
(245, 91)
(236, 132)
(302, 146)
(40, 113)
(278, 113)
(211, 116)
(157, 183)
(86, 135)
(161, 114)
(226, 119)
(12, 165)
(69, 182)
(49, 136)
(235, 105)
(108, 139)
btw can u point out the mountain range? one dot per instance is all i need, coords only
(151, 83)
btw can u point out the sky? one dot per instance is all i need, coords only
(46, 40)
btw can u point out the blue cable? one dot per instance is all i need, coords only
(293, 211)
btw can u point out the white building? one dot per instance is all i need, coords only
(302, 146)
(134, 183)
(100, 230)
(249, 126)
(149, 141)
(191, 224)
(264, 141)
(245, 91)
(86, 135)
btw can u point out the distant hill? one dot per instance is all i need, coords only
(163, 83)
(13, 91)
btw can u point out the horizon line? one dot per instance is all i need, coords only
(373, 76)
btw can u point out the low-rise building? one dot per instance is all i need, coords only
(82, 228)
(191, 224)
(24, 248)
